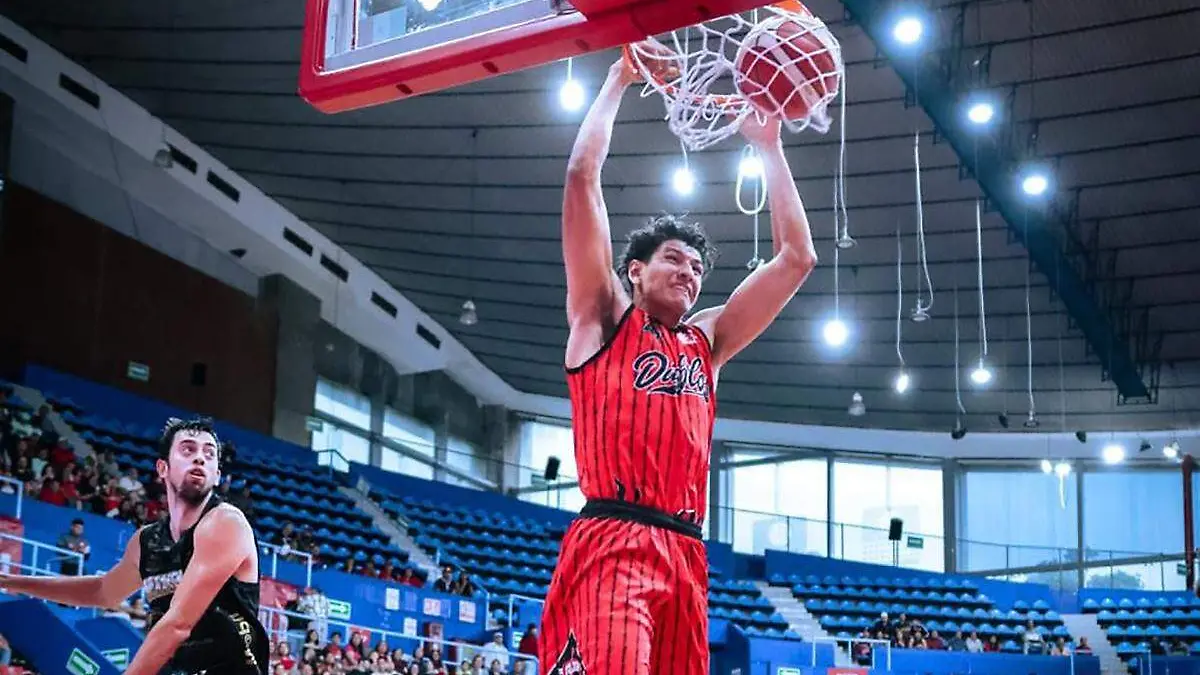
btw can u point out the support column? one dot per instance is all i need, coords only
(299, 313)
(441, 446)
(1189, 533)
(829, 524)
(951, 472)
(1080, 574)
(718, 493)
(6, 123)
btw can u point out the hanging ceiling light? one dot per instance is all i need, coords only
(468, 316)
(857, 407)
(1062, 469)
(1047, 467)
(1171, 450)
(1113, 453)
(571, 95)
(1031, 422)
(981, 375)
(902, 382)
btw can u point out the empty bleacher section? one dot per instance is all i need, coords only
(1152, 631)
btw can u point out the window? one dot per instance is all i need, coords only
(468, 459)
(779, 506)
(352, 446)
(569, 499)
(398, 462)
(540, 442)
(865, 499)
(343, 404)
(1017, 519)
(410, 433)
(1131, 513)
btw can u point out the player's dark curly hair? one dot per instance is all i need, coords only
(644, 241)
(176, 425)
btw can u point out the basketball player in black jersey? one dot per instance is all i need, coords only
(199, 570)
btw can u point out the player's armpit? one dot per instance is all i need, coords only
(223, 541)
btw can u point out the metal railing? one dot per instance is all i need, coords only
(20, 494)
(850, 641)
(47, 553)
(286, 552)
(513, 598)
(276, 621)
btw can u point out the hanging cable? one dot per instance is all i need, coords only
(979, 256)
(957, 389)
(1028, 332)
(840, 216)
(899, 291)
(922, 310)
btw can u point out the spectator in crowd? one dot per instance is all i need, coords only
(407, 576)
(882, 625)
(1060, 648)
(108, 467)
(314, 603)
(861, 651)
(73, 540)
(130, 484)
(992, 644)
(334, 646)
(957, 643)
(974, 644)
(356, 645)
(529, 641)
(1178, 648)
(1083, 647)
(495, 650)
(445, 583)
(462, 585)
(312, 639)
(1157, 647)
(1031, 640)
(935, 641)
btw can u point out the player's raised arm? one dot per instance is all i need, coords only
(223, 542)
(105, 591)
(760, 298)
(592, 286)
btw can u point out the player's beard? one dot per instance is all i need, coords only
(192, 495)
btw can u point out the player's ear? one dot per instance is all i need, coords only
(161, 467)
(634, 272)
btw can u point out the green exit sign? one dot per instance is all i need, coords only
(137, 371)
(916, 542)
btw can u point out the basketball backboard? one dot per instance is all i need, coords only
(359, 53)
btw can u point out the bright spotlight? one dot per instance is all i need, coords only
(1062, 469)
(683, 180)
(571, 95)
(981, 112)
(981, 375)
(902, 382)
(1047, 467)
(1113, 453)
(908, 30)
(1171, 450)
(1035, 184)
(750, 166)
(836, 332)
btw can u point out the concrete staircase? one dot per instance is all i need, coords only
(1085, 626)
(34, 398)
(397, 532)
(794, 612)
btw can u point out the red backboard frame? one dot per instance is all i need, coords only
(597, 25)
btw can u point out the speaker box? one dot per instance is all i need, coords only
(551, 469)
(199, 374)
(895, 530)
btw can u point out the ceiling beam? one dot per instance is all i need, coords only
(995, 166)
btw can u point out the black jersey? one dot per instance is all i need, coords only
(228, 638)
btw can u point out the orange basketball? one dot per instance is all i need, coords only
(787, 71)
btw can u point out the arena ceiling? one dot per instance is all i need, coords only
(456, 196)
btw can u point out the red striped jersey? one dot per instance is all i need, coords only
(642, 413)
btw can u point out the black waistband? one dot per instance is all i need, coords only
(615, 509)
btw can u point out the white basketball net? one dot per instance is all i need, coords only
(708, 97)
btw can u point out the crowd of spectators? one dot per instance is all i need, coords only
(905, 633)
(341, 656)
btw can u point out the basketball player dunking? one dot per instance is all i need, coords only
(630, 591)
(199, 570)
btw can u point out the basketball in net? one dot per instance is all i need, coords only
(778, 61)
(790, 67)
